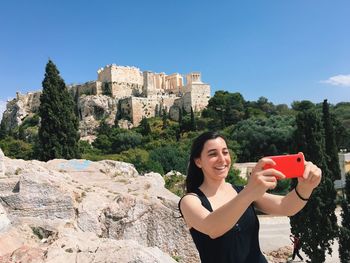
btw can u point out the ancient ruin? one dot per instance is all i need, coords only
(122, 93)
(146, 94)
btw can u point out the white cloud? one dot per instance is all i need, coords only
(2, 108)
(339, 80)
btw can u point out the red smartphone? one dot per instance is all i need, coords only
(291, 165)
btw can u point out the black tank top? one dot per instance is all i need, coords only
(238, 245)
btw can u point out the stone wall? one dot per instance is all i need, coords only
(122, 90)
(200, 95)
(88, 88)
(121, 74)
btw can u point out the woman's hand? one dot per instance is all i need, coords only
(262, 179)
(311, 177)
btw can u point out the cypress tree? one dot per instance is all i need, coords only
(165, 122)
(180, 120)
(193, 121)
(344, 237)
(145, 127)
(332, 158)
(3, 131)
(58, 131)
(316, 223)
(156, 111)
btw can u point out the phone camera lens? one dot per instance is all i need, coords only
(298, 160)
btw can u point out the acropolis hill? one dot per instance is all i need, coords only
(122, 93)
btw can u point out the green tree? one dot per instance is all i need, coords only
(332, 158)
(165, 122)
(103, 143)
(316, 223)
(302, 105)
(180, 117)
(193, 121)
(342, 124)
(170, 157)
(15, 148)
(225, 109)
(145, 128)
(260, 108)
(344, 237)
(3, 131)
(260, 137)
(122, 140)
(58, 131)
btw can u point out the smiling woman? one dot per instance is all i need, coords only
(221, 216)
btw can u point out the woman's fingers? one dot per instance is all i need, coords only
(262, 162)
(312, 174)
(307, 170)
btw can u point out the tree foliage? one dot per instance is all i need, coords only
(170, 157)
(225, 109)
(15, 148)
(58, 131)
(116, 140)
(145, 128)
(332, 158)
(258, 137)
(344, 236)
(316, 223)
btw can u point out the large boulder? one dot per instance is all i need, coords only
(103, 211)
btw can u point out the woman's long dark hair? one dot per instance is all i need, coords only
(195, 175)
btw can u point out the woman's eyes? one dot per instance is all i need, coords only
(214, 153)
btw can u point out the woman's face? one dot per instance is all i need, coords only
(215, 159)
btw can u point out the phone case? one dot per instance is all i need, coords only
(291, 165)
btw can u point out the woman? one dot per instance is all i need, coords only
(221, 217)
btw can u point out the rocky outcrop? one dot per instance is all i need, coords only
(2, 164)
(19, 108)
(83, 211)
(94, 108)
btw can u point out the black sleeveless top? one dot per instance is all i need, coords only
(238, 245)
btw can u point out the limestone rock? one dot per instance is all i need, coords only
(94, 108)
(2, 164)
(19, 108)
(4, 221)
(91, 211)
(85, 247)
(35, 195)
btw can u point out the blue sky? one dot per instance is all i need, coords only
(282, 50)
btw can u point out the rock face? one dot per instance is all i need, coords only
(94, 108)
(19, 108)
(83, 211)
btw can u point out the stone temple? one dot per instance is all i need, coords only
(143, 94)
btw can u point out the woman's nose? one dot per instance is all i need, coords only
(221, 157)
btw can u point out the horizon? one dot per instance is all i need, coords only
(282, 51)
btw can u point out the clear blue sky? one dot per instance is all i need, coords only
(282, 50)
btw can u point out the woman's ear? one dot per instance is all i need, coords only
(197, 161)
